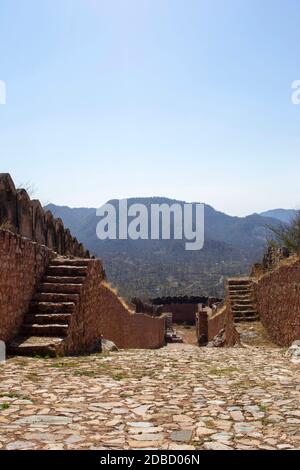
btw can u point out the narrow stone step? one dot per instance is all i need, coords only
(241, 298)
(67, 271)
(246, 319)
(64, 279)
(44, 330)
(244, 313)
(70, 262)
(241, 302)
(240, 282)
(54, 297)
(60, 288)
(51, 307)
(242, 295)
(242, 307)
(36, 346)
(45, 319)
(240, 288)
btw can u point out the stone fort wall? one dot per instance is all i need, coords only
(27, 218)
(126, 328)
(278, 302)
(22, 264)
(99, 312)
(29, 239)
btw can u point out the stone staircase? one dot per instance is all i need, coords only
(46, 324)
(242, 299)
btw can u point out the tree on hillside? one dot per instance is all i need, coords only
(287, 235)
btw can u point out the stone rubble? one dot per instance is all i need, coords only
(180, 397)
(294, 352)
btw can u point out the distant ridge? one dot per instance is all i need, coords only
(284, 215)
(156, 268)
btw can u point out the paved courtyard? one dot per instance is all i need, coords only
(178, 397)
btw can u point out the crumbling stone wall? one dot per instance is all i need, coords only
(126, 328)
(20, 214)
(101, 312)
(209, 325)
(184, 308)
(22, 264)
(272, 258)
(278, 302)
(223, 320)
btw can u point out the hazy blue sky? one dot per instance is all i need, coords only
(182, 98)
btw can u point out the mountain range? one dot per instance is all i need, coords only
(284, 215)
(153, 268)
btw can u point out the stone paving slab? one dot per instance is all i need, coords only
(181, 397)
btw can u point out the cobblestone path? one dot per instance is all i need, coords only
(181, 397)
